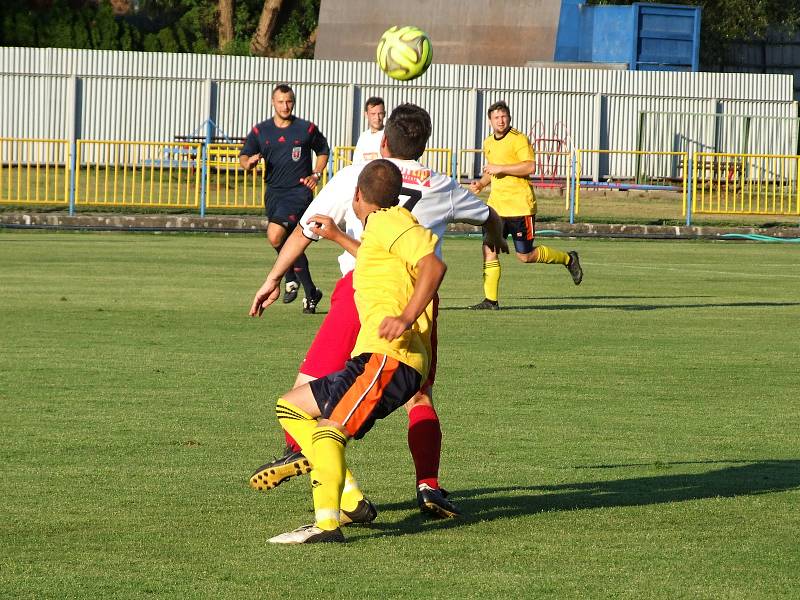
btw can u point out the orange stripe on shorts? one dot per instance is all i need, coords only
(356, 406)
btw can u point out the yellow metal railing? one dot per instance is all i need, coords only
(439, 160)
(228, 185)
(34, 171)
(631, 169)
(156, 174)
(342, 156)
(746, 184)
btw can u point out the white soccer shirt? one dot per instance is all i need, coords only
(442, 201)
(368, 146)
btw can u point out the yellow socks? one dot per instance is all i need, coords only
(328, 475)
(551, 256)
(491, 279)
(299, 424)
(303, 427)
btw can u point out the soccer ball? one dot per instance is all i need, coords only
(404, 52)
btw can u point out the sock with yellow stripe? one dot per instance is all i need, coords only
(491, 279)
(544, 254)
(328, 476)
(300, 425)
(297, 423)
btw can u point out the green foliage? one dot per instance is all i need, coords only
(725, 21)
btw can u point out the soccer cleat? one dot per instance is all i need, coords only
(486, 304)
(434, 501)
(274, 473)
(308, 534)
(290, 295)
(364, 513)
(574, 267)
(310, 304)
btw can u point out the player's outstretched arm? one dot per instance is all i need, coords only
(269, 291)
(494, 233)
(430, 272)
(325, 227)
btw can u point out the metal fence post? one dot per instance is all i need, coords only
(204, 166)
(689, 191)
(572, 191)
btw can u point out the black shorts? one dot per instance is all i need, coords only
(369, 387)
(285, 207)
(522, 230)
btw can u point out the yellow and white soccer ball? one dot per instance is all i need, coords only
(404, 52)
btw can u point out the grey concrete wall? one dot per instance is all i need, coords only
(475, 32)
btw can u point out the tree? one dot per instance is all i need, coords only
(259, 43)
(225, 29)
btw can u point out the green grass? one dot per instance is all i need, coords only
(634, 437)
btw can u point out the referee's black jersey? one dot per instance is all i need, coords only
(286, 150)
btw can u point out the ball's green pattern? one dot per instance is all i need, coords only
(404, 52)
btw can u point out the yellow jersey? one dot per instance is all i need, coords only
(392, 244)
(510, 196)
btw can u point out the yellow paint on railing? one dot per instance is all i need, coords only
(34, 171)
(154, 174)
(746, 184)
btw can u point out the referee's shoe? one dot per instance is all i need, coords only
(290, 295)
(310, 304)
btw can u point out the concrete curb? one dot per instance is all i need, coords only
(254, 224)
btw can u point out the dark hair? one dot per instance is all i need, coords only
(373, 101)
(499, 105)
(283, 89)
(407, 131)
(380, 182)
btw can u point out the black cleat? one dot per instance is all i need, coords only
(574, 267)
(274, 473)
(435, 502)
(308, 534)
(290, 295)
(486, 304)
(310, 304)
(364, 513)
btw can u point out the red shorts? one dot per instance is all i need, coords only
(337, 335)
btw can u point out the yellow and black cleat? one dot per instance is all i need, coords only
(273, 473)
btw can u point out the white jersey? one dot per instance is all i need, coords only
(440, 201)
(368, 146)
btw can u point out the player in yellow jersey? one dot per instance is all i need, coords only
(396, 277)
(509, 161)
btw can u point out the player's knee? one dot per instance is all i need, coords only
(334, 424)
(421, 398)
(527, 257)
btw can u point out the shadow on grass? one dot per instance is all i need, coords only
(635, 307)
(739, 478)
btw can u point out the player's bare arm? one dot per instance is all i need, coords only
(430, 272)
(476, 187)
(312, 180)
(325, 227)
(249, 162)
(520, 169)
(269, 291)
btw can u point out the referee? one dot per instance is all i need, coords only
(285, 143)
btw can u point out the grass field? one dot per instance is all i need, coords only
(634, 437)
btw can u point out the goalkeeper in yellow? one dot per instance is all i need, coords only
(509, 161)
(396, 277)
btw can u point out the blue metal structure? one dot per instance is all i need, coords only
(645, 37)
